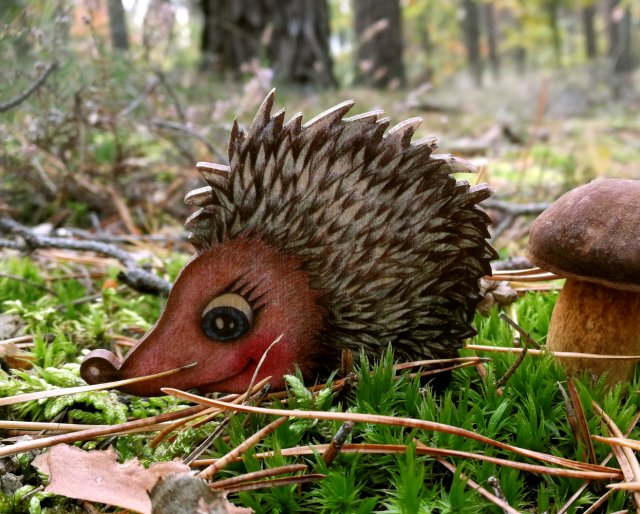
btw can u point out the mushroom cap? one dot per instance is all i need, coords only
(592, 233)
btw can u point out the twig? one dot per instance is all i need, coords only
(110, 238)
(337, 442)
(179, 127)
(151, 85)
(33, 87)
(134, 276)
(502, 381)
(525, 335)
(30, 282)
(512, 264)
(511, 211)
(202, 447)
(172, 94)
(515, 209)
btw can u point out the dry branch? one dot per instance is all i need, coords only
(134, 276)
(33, 87)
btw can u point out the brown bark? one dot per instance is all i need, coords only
(589, 28)
(620, 47)
(118, 25)
(620, 32)
(378, 27)
(231, 33)
(299, 47)
(492, 38)
(471, 33)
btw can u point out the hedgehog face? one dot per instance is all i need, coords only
(227, 306)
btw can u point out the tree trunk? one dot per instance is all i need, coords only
(552, 8)
(492, 38)
(589, 27)
(231, 34)
(471, 30)
(118, 25)
(378, 27)
(620, 32)
(299, 48)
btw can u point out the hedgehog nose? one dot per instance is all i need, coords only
(100, 366)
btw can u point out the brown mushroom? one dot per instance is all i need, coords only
(591, 236)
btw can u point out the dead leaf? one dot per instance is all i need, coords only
(14, 357)
(96, 476)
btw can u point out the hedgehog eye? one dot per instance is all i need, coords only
(227, 317)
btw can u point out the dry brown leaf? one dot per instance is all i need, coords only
(14, 357)
(96, 476)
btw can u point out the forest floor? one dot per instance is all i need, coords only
(117, 161)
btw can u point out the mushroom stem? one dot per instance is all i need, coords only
(592, 318)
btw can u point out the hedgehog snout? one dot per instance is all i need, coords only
(100, 366)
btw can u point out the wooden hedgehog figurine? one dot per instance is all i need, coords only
(332, 234)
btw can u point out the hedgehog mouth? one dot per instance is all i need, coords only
(213, 386)
(102, 366)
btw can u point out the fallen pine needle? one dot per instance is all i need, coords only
(37, 426)
(624, 455)
(563, 355)
(53, 393)
(276, 482)
(618, 441)
(94, 433)
(240, 449)
(397, 421)
(206, 415)
(263, 473)
(625, 486)
(584, 486)
(386, 449)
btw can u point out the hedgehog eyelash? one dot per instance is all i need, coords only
(246, 290)
(254, 303)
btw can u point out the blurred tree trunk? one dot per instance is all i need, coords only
(553, 7)
(471, 32)
(620, 32)
(589, 27)
(299, 46)
(426, 43)
(231, 34)
(118, 25)
(492, 37)
(378, 27)
(620, 45)
(292, 35)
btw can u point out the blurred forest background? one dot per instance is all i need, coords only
(106, 105)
